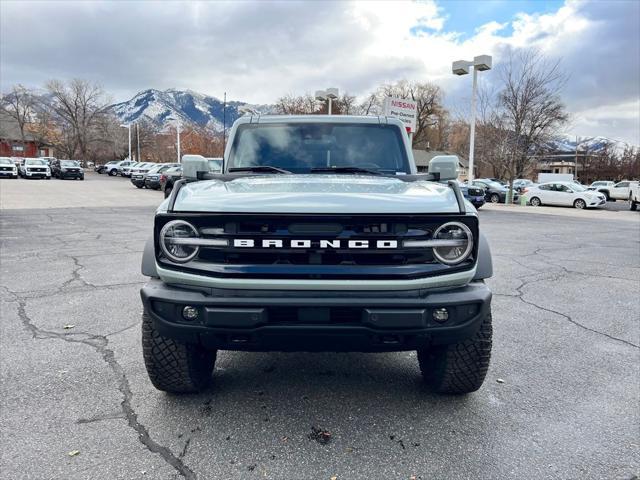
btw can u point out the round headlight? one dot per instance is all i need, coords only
(461, 243)
(174, 241)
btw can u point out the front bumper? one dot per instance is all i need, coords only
(477, 201)
(71, 175)
(285, 320)
(152, 183)
(9, 173)
(138, 182)
(37, 175)
(596, 202)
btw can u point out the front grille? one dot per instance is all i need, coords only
(312, 260)
(37, 169)
(6, 169)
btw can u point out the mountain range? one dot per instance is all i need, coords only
(162, 108)
(187, 107)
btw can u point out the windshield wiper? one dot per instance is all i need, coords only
(259, 168)
(344, 170)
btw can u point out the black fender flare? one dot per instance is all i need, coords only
(484, 268)
(149, 260)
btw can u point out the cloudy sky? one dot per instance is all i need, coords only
(257, 51)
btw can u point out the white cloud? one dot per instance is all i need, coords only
(259, 51)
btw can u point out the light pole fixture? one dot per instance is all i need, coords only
(129, 127)
(328, 94)
(461, 67)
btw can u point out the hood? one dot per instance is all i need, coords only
(327, 194)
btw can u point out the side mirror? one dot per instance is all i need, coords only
(445, 165)
(194, 166)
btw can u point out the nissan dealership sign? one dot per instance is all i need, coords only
(404, 109)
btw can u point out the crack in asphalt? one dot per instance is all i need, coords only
(100, 343)
(520, 296)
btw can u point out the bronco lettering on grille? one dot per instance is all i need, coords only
(300, 243)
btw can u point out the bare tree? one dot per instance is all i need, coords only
(528, 107)
(80, 106)
(19, 104)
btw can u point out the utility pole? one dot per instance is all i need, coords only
(178, 134)
(138, 142)
(224, 124)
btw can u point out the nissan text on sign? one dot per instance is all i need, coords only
(404, 109)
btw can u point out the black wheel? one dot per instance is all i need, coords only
(580, 204)
(175, 367)
(535, 202)
(460, 367)
(632, 205)
(113, 172)
(167, 192)
(606, 195)
(139, 186)
(494, 198)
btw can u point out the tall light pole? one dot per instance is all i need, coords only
(178, 138)
(461, 67)
(328, 94)
(129, 127)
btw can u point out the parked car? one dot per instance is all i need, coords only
(567, 194)
(168, 178)
(519, 184)
(295, 249)
(620, 191)
(138, 173)
(152, 178)
(474, 194)
(602, 186)
(103, 168)
(35, 168)
(125, 171)
(494, 192)
(67, 169)
(115, 169)
(8, 168)
(634, 195)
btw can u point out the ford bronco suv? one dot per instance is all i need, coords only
(318, 235)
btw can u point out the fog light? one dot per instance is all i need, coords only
(190, 313)
(441, 315)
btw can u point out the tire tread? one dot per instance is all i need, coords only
(461, 367)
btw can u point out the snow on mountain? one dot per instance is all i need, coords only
(163, 108)
(568, 144)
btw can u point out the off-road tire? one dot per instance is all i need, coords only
(172, 366)
(460, 367)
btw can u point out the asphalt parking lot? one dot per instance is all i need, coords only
(560, 401)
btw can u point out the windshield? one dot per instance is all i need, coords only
(5, 161)
(34, 161)
(68, 163)
(576, 187)
(299, 148)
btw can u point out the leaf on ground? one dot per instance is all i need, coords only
(73, 453)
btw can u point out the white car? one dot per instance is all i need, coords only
(567, 194)
(620, 191)
(35, 168)
(8, 168)
(634, 195)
